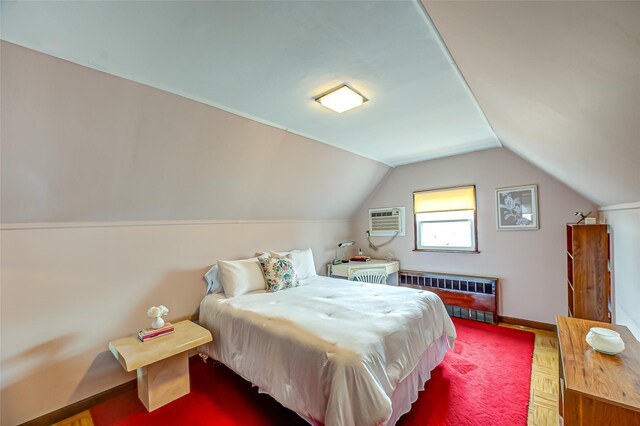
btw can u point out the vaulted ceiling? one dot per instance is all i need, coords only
(559, 82)
(267, 61)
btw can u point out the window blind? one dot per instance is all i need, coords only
(440, 200)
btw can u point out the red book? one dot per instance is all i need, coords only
(155, 333)
(147, 331)
(361, 258)
(159, 332)
(145, 339)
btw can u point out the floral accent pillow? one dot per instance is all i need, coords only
(279, 272)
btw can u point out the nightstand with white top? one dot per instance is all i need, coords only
(162, 363)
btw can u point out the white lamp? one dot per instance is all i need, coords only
(340, 258)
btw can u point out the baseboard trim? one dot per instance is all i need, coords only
(527, 323)
(80, 406)
(87, 403)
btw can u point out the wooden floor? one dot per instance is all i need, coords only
(81, 419)
(543, 403)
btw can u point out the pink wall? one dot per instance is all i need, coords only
(82, 145)
(102, 182)
(68, 291)
(117, 196)
(530, 264)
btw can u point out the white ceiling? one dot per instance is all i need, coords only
(559, 82)
(267, 60)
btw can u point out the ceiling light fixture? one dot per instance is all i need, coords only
(341, 99)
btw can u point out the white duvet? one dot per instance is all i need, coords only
(331, 350)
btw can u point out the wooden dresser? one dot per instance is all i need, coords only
(597, 389)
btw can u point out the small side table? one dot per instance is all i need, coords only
(162, 363)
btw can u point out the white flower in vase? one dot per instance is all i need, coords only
(157, 312)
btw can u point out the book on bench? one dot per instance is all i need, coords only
(360, 258)
(152, 333)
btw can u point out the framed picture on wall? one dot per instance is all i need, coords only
(517, 207)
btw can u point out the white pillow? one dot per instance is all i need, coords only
(212, 278)
(241, 276)
(302, 262)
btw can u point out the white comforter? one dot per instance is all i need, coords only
(331, 350)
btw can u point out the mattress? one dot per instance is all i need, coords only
(331, 350)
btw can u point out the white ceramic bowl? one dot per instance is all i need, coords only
(605, 340)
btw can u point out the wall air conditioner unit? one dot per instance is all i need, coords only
(387, 222)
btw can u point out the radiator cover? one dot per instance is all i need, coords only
(468, 297)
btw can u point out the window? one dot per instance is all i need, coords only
(446, 219)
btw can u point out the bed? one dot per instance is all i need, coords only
(334, 351)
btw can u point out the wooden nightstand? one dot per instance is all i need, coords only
(162, 363)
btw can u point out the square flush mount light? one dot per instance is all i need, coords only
(341, 99)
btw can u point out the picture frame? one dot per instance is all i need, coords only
(517, 208)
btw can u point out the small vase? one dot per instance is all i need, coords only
(157, 322)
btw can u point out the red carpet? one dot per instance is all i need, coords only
(483, 381)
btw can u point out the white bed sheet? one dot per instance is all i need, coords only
(331, 350)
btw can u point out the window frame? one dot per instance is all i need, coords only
(473, 250)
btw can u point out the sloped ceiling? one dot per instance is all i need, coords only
(267, 60)
(559, 82)
(84, 146)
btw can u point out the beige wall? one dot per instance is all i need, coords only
(66, 292)
(530, 264)
(102, 182)
(624, 227)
